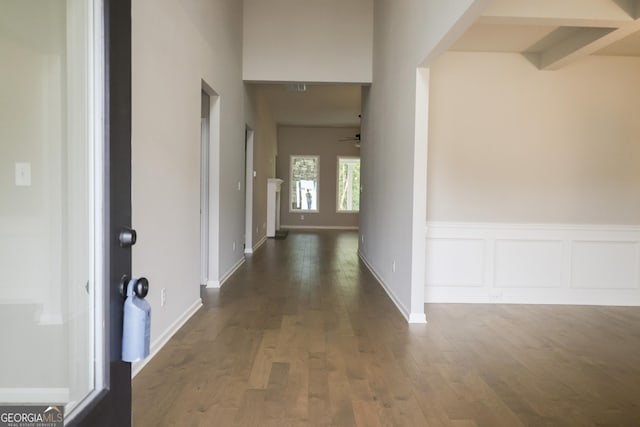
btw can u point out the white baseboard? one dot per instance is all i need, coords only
(256, 246)
(533, 264)
(160, 342)
(410, 317)
(319, 227)
(44, 395)
(220, 283)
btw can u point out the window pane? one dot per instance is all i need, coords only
(304, 183)
(348, 184)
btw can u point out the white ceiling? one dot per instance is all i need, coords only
(556, 32)
(320, 105)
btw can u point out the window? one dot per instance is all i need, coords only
(304, 179)
(348, 184)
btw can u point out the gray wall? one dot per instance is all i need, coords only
(323, 142)
(206, 41)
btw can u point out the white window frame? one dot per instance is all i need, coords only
(317, 159)
(338, 210)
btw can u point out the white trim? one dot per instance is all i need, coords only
(410, 317)
(164, 338)
(256, 246)
(530, 226)
(219, 283)
(338, 210)
(419, 197)
(248, 188)
(320, 227)
(518, 263)
(34, 395)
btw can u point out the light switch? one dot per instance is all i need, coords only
(23, 174)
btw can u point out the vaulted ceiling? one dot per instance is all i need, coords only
(553, 33)
(549, 33)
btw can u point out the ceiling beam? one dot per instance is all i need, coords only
(580, 44)
(584, 41)
(573, 13)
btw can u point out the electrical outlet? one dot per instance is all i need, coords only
(234, 246)
(239, 186)
(495, 294)
(256, 229)
(301, 217)
(163, 297)
(362, 238)
(393, 267)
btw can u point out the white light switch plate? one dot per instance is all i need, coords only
(23, 174)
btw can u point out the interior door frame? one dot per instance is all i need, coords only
(205, 172)
(112, 406)
(248, 189)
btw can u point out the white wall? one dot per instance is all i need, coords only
(308, 40)
(176, 45)
(533, 181)
(393, 202)
(509, 143)
(325, 143)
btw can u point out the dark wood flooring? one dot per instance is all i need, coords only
(303, 335)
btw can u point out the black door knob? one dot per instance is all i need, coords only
(127, 237)
(140, 286)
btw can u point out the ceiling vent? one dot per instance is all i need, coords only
(297, 87)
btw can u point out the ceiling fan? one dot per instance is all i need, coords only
(355, 139)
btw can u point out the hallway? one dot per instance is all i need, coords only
(303, 335)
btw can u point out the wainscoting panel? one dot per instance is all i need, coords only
(528, 263)
(532, 263)
(448, 254)
(605, 265)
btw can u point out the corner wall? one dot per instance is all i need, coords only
(534, 179)
(393, 201)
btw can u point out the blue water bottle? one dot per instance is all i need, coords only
(136, 328)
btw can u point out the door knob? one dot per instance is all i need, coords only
(140, 286)
(127, 237)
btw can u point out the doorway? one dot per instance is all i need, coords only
(66, 83)
(209, 185)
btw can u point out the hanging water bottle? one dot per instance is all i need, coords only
(136, 329)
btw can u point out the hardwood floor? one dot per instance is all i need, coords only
(303, 335)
